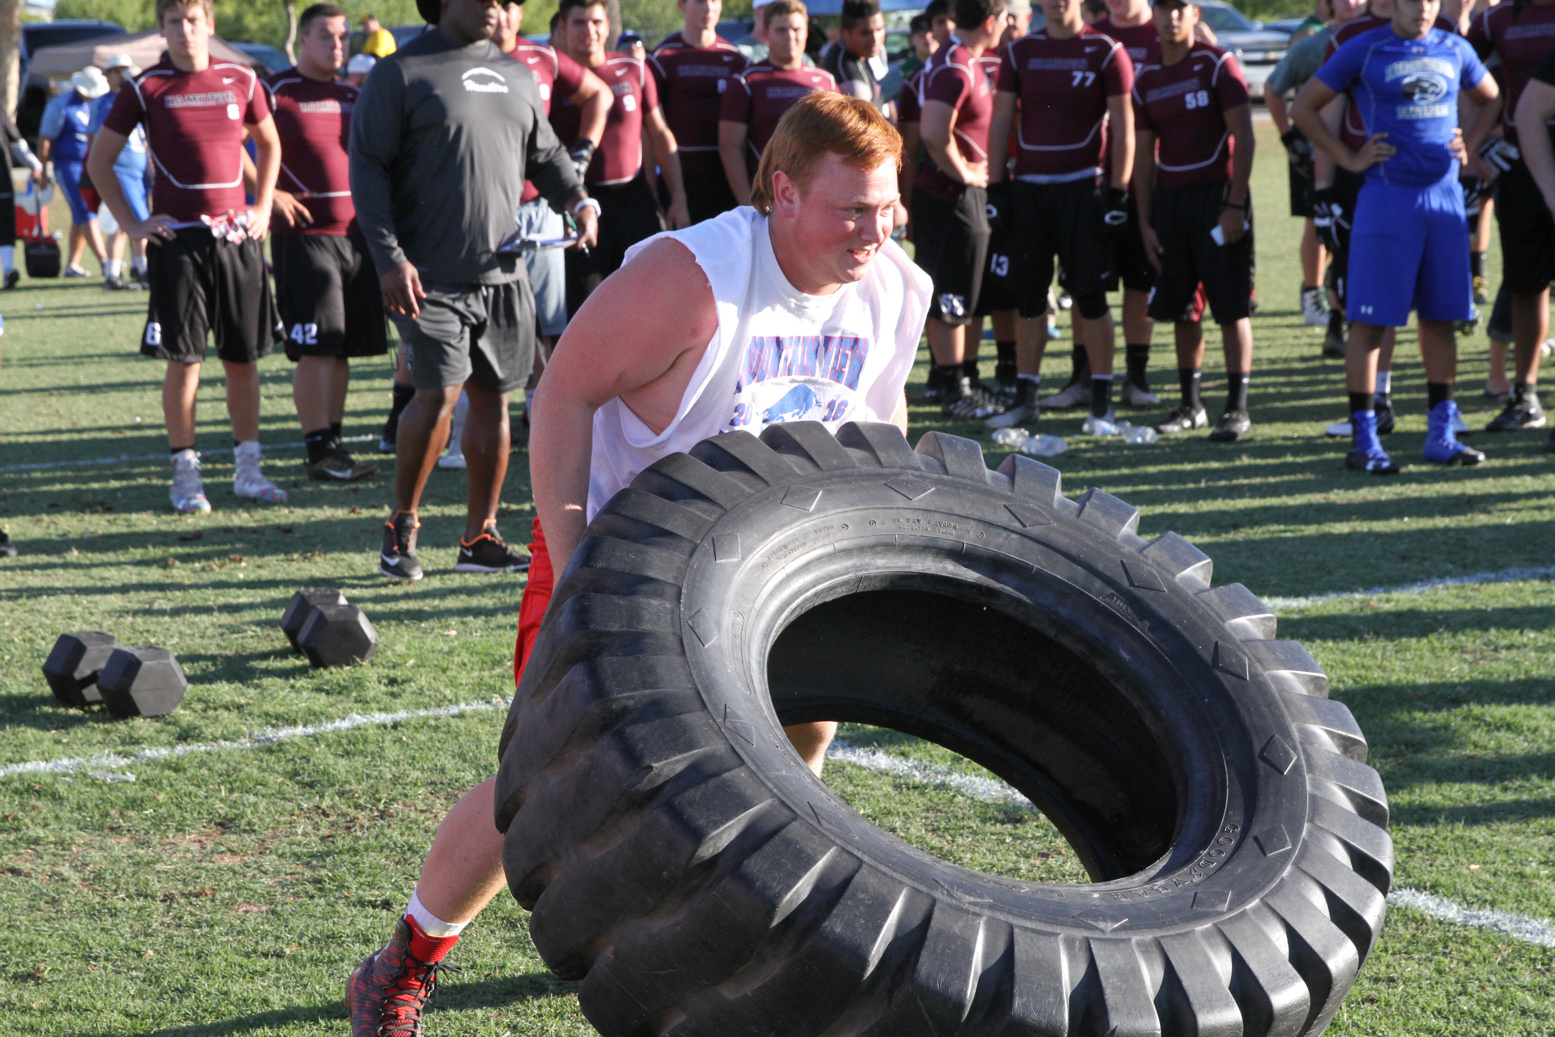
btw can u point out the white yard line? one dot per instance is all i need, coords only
(1515, 575)
(45, 466)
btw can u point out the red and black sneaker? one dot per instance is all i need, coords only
(397, 560)
(388, 992)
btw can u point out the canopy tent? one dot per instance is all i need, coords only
(834, 7)
(144, 48)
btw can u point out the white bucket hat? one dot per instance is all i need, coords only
(123, 61)
(90, 83)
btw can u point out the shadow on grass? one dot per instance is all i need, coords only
(489, 993)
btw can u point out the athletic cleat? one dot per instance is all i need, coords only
(249, 483)
(1441, 445)
(1333, 346)
(969, 401)
(398, 557)
(388, 992)
(1184, 418)
(1521, 411)
(188, 490)
(339, 466)
(1075, 394)
(1314, 307)
(1480, 296)
(12, 278)
(1232, 426)
(1366, 453)
(1467, 327)
(1023, 409)
(1139, 396)
(119, 284)
(489, 553)
(7, 549)
(1382, 406)
(453, 457)
(934, 387)
(1006, 384)
(74, 271)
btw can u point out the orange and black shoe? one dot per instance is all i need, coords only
(388, 992)
(489, 553)
(398, 558)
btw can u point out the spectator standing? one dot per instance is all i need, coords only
(64, 137)
(693, 68)
(130, 169)
(1193, 125)
(442, 138)
(326, 287)
(377, 42)
(860, 40)
(757, 98)
(615, 173)
(205, 264)
(13, 150)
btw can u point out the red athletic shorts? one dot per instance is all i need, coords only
(536, 599)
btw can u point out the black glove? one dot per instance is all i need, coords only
(1329, 218)
(1299, 150)
(1498, 154)
(1114, 217)
(998, 206)
(1474, 192)
(581, 154)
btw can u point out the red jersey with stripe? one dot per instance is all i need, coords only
(1184, 105)
(1063, 87)
(313, 120)
(1142, 42)
(907, 100)
(619, 157)
(1352, 131)
(953, 76)
(760, 95)
(555, 73)
(1521, 35)
(692, 82)
(194, 133)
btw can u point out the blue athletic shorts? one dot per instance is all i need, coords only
(69, 176)
(134, 186)
(1409, 249)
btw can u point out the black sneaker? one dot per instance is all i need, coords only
(489, 553)
(936, 387)
(7, 549)
(1232, 426)
(1521, 411)
(969, 401)
(1184, 419)
(339, 466)
(13, 278)
(398, 559)
(1382, 406)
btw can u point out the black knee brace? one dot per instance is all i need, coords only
(1091, 307)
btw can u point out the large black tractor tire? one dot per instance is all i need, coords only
(684, 864)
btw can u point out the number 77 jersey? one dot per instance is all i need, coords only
(1062, 87)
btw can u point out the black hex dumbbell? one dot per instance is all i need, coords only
(301, 607)
(72, 666)
(337, 635)
(142, 682)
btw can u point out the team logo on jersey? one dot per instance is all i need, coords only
(481, 80)
(1423, 88)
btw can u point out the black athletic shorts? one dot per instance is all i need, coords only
(1184, 217)
(629, 215)
(483, 334)
(328, 294)
(1347, 191)
(1527, 232)
(1062, 222)
(708, 196)
(202, 284)
(1129, 260)
(950, 243)
(998, 291)
(1302, 180)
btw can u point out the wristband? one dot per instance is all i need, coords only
(588, 203)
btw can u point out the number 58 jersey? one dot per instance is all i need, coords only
(1062, 87)
(1184, 106)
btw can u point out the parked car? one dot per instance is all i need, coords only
(267, 59)
(1257, 48)
(35, 89)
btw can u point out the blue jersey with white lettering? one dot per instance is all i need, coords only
(1407, 89)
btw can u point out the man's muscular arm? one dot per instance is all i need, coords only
(640, 336)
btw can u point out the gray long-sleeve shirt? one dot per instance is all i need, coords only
(442, 139)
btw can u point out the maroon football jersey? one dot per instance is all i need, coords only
(1521, 34)
(1063, 87)
(760, 95)
(194, 133)
(1352, 131)
(555, 73)
(952, 76)
(1142, 42)
(313, 120)
(692, 82)
(1184, 106)
(907, 100)
(619, 157)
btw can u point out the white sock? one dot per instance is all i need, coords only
(111, 267)
(138, 264)
(8, 257)
(247, 448)
(430, 923)
(1384, 382)
(1029, 378)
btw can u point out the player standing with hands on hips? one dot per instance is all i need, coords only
(1409, 242)
(446, 131)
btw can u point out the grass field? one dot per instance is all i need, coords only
(231, 892)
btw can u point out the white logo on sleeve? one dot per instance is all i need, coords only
(481, 80)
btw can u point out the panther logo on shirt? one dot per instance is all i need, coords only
(1424, 87)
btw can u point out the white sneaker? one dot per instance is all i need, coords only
(453, 457)
(1073, 395)
(1339, 430)
(249, 483)
(1139, 396)
(188, 491)
(1314, 307)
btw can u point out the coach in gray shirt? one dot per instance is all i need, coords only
(445, 132)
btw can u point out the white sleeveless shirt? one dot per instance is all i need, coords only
(778, 354)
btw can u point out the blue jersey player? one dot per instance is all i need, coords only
(1409, 246)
